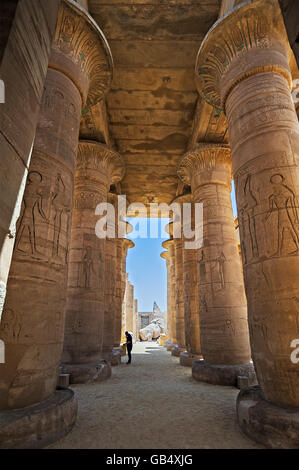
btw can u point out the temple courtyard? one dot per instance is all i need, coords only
(154, 403)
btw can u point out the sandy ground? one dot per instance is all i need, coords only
(154, 403)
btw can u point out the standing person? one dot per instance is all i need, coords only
(129, 346)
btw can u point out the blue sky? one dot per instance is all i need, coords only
(147, 270)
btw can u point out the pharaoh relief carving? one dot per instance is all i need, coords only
(11, 327)
(81, 39)
(282, 201)
(32, 207)
(60, 206)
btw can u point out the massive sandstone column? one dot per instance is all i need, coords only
(222, 303)
(33, 318)
(129, 307)
(171, 298)
(248, 76)
(113, 302)
(27, 31)
(190, 288)
(91, 264)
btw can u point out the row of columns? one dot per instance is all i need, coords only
(243, 70)
(130, 308)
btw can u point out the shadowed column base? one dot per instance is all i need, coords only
(86, 373)
(177, 350)
(222, 374)
(271, 425)
(37, 426)
(187, 358)
(168, 345)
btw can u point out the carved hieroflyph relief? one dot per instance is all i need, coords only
(87, 48)
(43, 210)
(283, 201)
(60, 208)
(10, 328)
(276, 212)
(32, 206)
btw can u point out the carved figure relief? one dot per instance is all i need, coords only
(32, 205)
(283, 201)
(60, 207)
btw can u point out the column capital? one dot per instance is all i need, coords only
(203, 157)
(96, 156)
(250, 39)
(80, 51)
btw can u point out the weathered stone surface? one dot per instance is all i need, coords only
(26, 33)
(39, 425)
(31, 327)
(187, 358)
(273, 426)
(177, 350)
(224, 333)
(86, 335)
(253, 88)
(242, 382)
(87, 373)
(171, 291)
(222, 374)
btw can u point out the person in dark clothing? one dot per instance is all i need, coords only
(129, 346)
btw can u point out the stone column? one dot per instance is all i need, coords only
(252, 84)
(91, 271)
(126, 245)
(171, 299)
(33, 317)
(222, 303)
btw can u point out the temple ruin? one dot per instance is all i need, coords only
(165, 102)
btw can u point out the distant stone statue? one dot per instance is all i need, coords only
(153, 330)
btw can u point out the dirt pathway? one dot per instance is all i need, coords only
(154, 403)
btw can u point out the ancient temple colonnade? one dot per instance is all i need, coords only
(248, 77)
(78, 130)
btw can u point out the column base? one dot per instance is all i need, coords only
(177, 350)
(268, 424)
(114, 357)
(86, 373)
(187, 358)
(222, 374)
(121, 350)
(168, 345)
(39, 425)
